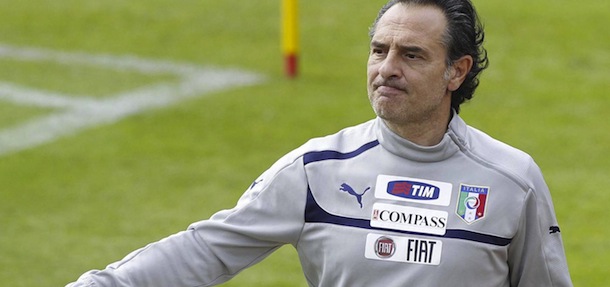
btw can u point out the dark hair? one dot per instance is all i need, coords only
(464, 36)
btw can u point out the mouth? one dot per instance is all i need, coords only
(387, 90)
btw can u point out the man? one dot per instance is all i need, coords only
(414, 197)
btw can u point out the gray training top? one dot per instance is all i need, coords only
(365, 207)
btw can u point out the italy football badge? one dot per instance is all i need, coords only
(472, 202)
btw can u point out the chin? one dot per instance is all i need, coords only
(386, 113)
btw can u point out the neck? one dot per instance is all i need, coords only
(428, 132)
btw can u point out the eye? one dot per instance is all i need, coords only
(376, 51)
(411, 56)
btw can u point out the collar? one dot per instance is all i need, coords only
(452, 142)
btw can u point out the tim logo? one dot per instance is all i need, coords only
(413, 190)
(345, 187)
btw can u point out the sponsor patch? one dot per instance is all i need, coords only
(409, 218)
(413, 190)
(403, 249)
(472, 202)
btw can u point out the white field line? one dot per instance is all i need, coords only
(78, 112)
(26, 96)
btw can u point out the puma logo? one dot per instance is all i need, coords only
(345, 187)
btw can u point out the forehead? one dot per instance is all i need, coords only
(409, 22)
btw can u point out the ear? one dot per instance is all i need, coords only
(459, 70)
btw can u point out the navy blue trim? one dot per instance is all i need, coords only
(331, 154)
(315, 214)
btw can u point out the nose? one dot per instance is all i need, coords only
(390, 67)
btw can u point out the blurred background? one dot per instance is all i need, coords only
(94, 190)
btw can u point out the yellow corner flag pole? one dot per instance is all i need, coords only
(290, 34)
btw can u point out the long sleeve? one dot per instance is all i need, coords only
(267, 216)
(536, 255)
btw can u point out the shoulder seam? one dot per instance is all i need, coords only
(513, 177)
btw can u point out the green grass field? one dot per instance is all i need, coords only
(88, 198)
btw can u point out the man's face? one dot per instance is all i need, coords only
(406, 72)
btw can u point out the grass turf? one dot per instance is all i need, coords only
(88, 199)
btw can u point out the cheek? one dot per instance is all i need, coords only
(435, 80)
(371, 74)
(371, 70)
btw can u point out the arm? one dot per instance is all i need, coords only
(212, 251)
(536, 255)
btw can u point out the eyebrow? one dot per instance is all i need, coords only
(402, 48)
(378, 44)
